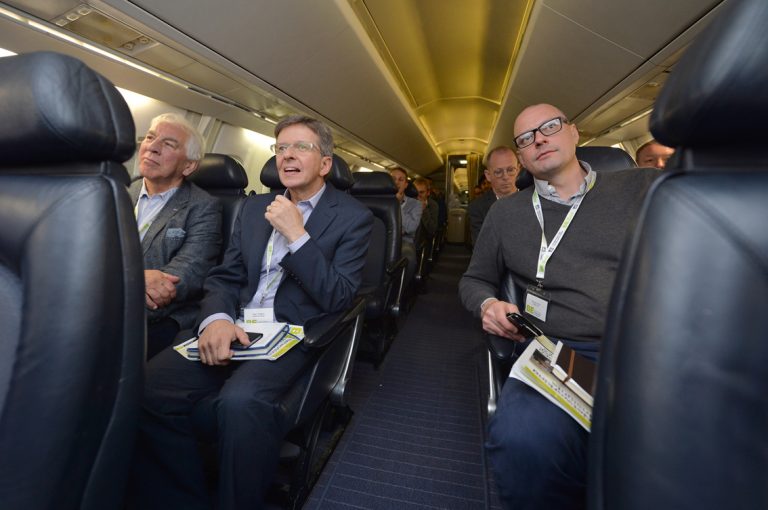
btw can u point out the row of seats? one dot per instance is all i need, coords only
(71, 294)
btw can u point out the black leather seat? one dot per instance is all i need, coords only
(320, 394)
(502, 352)
(681, 412)
(71, 287)
(384, 273)
(224, 178)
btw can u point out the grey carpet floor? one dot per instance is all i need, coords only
(415, 440)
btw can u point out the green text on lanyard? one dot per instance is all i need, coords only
(278, 273)
(546, 250)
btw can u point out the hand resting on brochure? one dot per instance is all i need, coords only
(267, 341)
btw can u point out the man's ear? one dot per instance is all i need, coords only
(575, 132)
(487, 174)
(189, 167)
(325, 165)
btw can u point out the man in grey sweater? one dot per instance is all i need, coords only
(563, 281)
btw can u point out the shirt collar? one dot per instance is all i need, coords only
(165, 194)
(545, 190)
(312, 201)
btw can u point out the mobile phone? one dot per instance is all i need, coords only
(253, 337)
(523, 325)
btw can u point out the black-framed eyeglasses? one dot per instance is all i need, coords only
(548, 128)
(304, 147)
(510, 171)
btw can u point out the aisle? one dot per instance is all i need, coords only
(415, 440)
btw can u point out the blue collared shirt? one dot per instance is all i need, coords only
(148, 207)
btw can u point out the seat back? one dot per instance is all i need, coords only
(376, 190)
(340, 175)
(601, 159)
(71, 287)
(681, 412)
(224, 178)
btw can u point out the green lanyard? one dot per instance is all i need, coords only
(278, 273)
(546, 250)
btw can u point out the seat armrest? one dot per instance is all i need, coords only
(396, 271)
(397, 265)
(321, 331)
(501, 349)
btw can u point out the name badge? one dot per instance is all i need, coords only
(536, 302)
(258, 315)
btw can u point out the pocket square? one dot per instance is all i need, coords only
(175, 233)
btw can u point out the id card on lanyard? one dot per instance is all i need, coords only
(536, 298)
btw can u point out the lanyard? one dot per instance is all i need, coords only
(546, 250)
(278, 273)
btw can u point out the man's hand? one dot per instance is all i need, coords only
(495, 321)
(160, 288)
(216, 340)
(400, 195)
(286, 218)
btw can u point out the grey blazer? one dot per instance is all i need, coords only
(185, 241)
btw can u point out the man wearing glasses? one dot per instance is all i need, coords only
(560, 242)
(291, 257)
(501, 171)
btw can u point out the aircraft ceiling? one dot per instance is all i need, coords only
(402, 82)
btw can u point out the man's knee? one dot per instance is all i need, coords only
(242, 406)
(529, 430)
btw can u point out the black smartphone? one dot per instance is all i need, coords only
(253, 337)
(523, 325)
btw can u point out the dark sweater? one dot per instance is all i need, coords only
(580, 273)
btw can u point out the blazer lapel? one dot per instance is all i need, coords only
(178, 201)
(325, 212)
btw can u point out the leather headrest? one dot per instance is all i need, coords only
(605, 159)
(219, 171)
(373, 183)
(340, 175)
(56, 110)
(717, 94)
(411, 191)
(601, 159)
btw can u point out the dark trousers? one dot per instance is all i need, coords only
(160, 334)
(169, 472)
(538, 452)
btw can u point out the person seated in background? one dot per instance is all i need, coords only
(439, 197)
(560, 241)
(410, 211)
(501, 171)
(429, 208)
(179, 226)
(653, 155)
(291, 257)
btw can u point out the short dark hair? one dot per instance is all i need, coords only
(398, 169)
(320, 129)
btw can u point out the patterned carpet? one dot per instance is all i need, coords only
(415, 440)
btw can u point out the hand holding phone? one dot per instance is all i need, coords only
(524, 326)
(253, 337)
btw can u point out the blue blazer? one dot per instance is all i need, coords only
(183, 240)
(322, 277)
